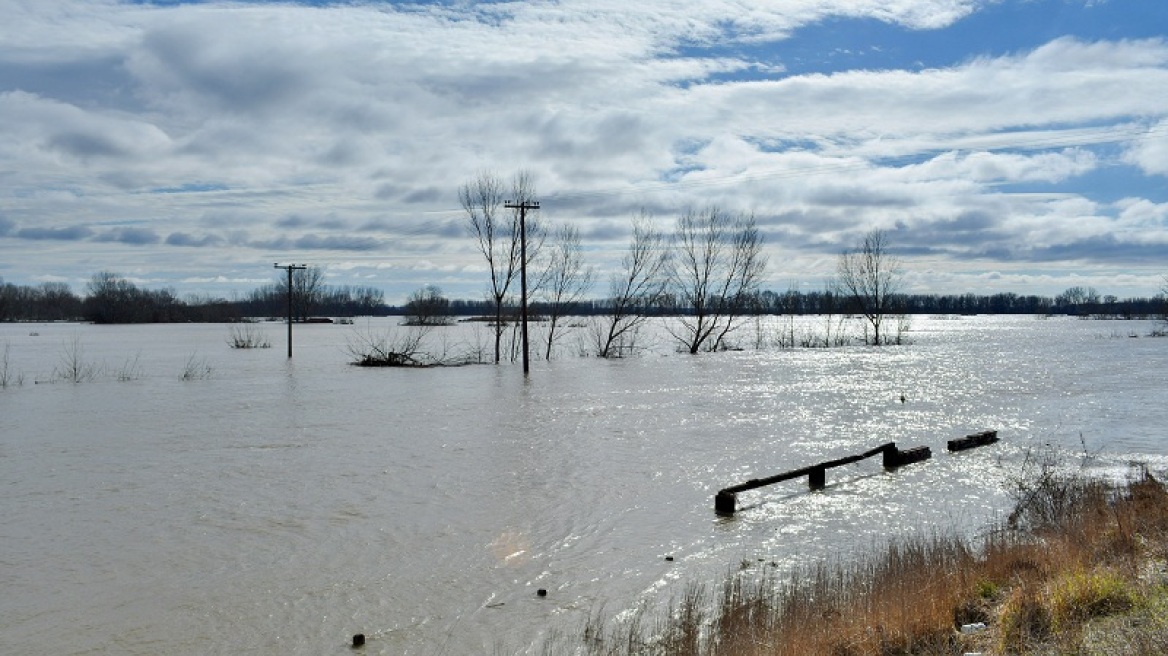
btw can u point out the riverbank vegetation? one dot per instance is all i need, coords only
(1079, 567)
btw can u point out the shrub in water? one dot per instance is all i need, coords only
(247, 336)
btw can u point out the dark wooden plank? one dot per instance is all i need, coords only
(973, 441)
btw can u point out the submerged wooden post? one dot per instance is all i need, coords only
(817, 478)
(890, 455)
(725, 502)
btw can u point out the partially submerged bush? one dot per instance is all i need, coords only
(196, 368)
(247, 336)
(73, 367)
(130, 369)
(404, 348)
(388, 349)
(9, 377)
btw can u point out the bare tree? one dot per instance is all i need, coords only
(872, 278)
(55, 301)
(564, 282)
(1164, 302)
(497, 233)
(114, 299)
(497, 240)
(307, 290)
(427, 307)
(1077, 300)
(714, 276)
(639, 283)
(8, 303)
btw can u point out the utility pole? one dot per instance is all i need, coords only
(290, 268)
(523, 206)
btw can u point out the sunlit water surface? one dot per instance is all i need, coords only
(272, 506)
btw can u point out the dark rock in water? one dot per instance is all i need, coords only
(541, 592)
(359, 640)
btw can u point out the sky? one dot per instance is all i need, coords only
(1003, 145)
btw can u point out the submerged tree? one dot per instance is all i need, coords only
(114, 299)
(564, 282)
(427, 307)
(714, 275)
(498, 241)
(307, 291)
(872, 278)
(497, 232)
(1163, 301)
(344, 300)
(635, 287)
(1077, 300)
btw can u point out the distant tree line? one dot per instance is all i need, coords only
(111, 298)
(1067, 303)
(834, 302)
(50, 301)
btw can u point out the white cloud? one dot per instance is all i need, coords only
(989, 167)
(361, 120)
(1149, 151)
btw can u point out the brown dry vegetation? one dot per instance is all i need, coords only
(1079, 568)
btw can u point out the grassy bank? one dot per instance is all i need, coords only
(1079, 567)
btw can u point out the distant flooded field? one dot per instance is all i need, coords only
(165, 493)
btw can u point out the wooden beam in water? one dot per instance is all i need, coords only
(908, 457)
(973, 441)
(726, 500)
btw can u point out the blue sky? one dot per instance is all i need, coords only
(1006, 145)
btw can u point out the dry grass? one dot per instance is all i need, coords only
(1078, 569)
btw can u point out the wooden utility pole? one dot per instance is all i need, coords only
(523, 206)
(290, 268)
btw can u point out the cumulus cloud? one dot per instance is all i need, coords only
(1149, 151)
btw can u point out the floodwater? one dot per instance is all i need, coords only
(265, 506)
